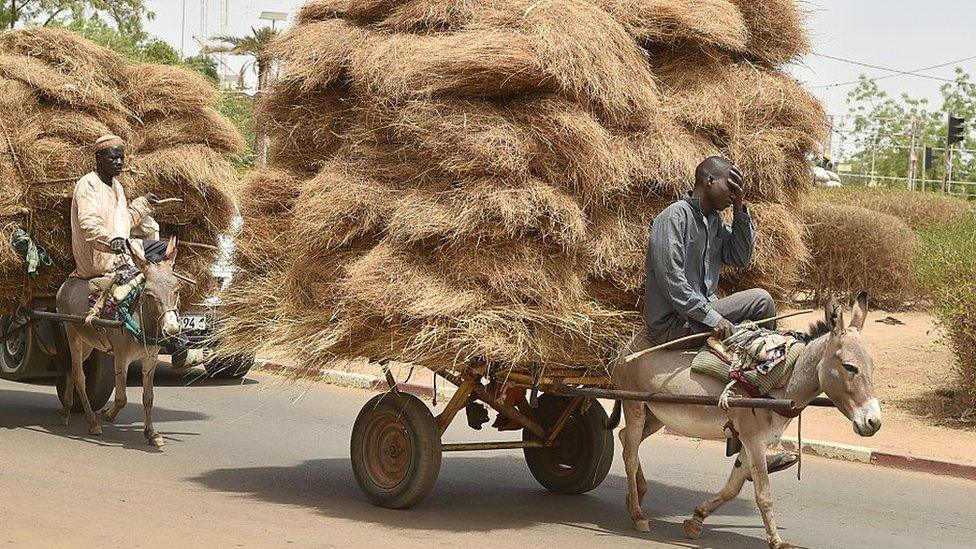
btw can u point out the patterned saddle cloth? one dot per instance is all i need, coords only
(761, 360)
(121, 275)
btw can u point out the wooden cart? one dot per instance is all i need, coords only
(397, 443)
(33, 347)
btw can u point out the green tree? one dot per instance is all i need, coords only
(126, 15)
(877, 139)
(254, 45)
(140, 48)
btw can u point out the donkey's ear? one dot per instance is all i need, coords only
(860, 312)
(171, 249)
(834, 315)
(139, 256)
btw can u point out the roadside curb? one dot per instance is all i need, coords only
(820, 448)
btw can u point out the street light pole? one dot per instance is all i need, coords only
(183, 34)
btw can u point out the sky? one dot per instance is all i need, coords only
(899, 34)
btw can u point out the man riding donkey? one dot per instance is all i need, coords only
(689, 243)
(102, 222)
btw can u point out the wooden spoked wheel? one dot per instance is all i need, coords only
(396, 450)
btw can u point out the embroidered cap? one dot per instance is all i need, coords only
(107, 142)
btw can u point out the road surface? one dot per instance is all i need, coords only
(266, 464)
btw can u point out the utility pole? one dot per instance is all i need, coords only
(874, 155)
(912, 156)
(183, 34)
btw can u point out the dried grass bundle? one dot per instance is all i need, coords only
(197, 174)
(166, 90)
(776, 30)
(709, 22)
(319, 54)
(267, 201)
(198, 127)
(74, 90)
(69, 53)
(780, 258)
(305, 128)
(855, 249)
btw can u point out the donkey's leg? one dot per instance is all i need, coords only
(79, 352)
(693, 526)
(630, 438)
(754, 444)
(121, 371)
(148, 373)
(651, 425)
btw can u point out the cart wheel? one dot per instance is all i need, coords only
(234, 367)
(581, 459)
(99, 382)
(396, 450)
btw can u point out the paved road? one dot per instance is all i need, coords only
(266, 464)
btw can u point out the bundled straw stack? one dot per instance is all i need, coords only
(58, 94)
(472, 181)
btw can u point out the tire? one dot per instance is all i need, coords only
(99, 382)
(395, 450)
(581, 459)
(21, 354)
(229, 368)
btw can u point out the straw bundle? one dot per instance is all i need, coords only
(481, 175)
(59, 93)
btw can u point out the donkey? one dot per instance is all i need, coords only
(155, 310)
(835, 362)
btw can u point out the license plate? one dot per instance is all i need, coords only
(191, 323)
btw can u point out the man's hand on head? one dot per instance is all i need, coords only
(738, 186)
(117, 245)
(723, 329)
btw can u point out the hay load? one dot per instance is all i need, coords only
(481, 175)
(59, 93)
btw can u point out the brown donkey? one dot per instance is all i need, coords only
(836, 362)
(156, 312)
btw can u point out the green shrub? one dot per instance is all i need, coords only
(946, 266)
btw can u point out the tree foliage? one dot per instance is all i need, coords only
(126, 15)
(879, 133)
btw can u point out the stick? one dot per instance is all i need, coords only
(704, 335)
(198, 245)
(164, 201)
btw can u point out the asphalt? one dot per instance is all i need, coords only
(265, 463)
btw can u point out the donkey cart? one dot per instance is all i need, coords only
(33, 347)
(397, 445)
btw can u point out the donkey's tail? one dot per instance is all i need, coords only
(613, 421)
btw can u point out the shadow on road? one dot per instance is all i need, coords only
(481, 494)
(39, 412)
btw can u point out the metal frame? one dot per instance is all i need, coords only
(583, 390)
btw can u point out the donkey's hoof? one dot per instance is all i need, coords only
(157, 441)
(781, 545)
(95, 431)
(642, 525)
(108, 416)
(693, 529)
(63, 419)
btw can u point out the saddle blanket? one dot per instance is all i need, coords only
(761, 362)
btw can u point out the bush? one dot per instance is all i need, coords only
(917, 209)
(855, 249)
(946, 264)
